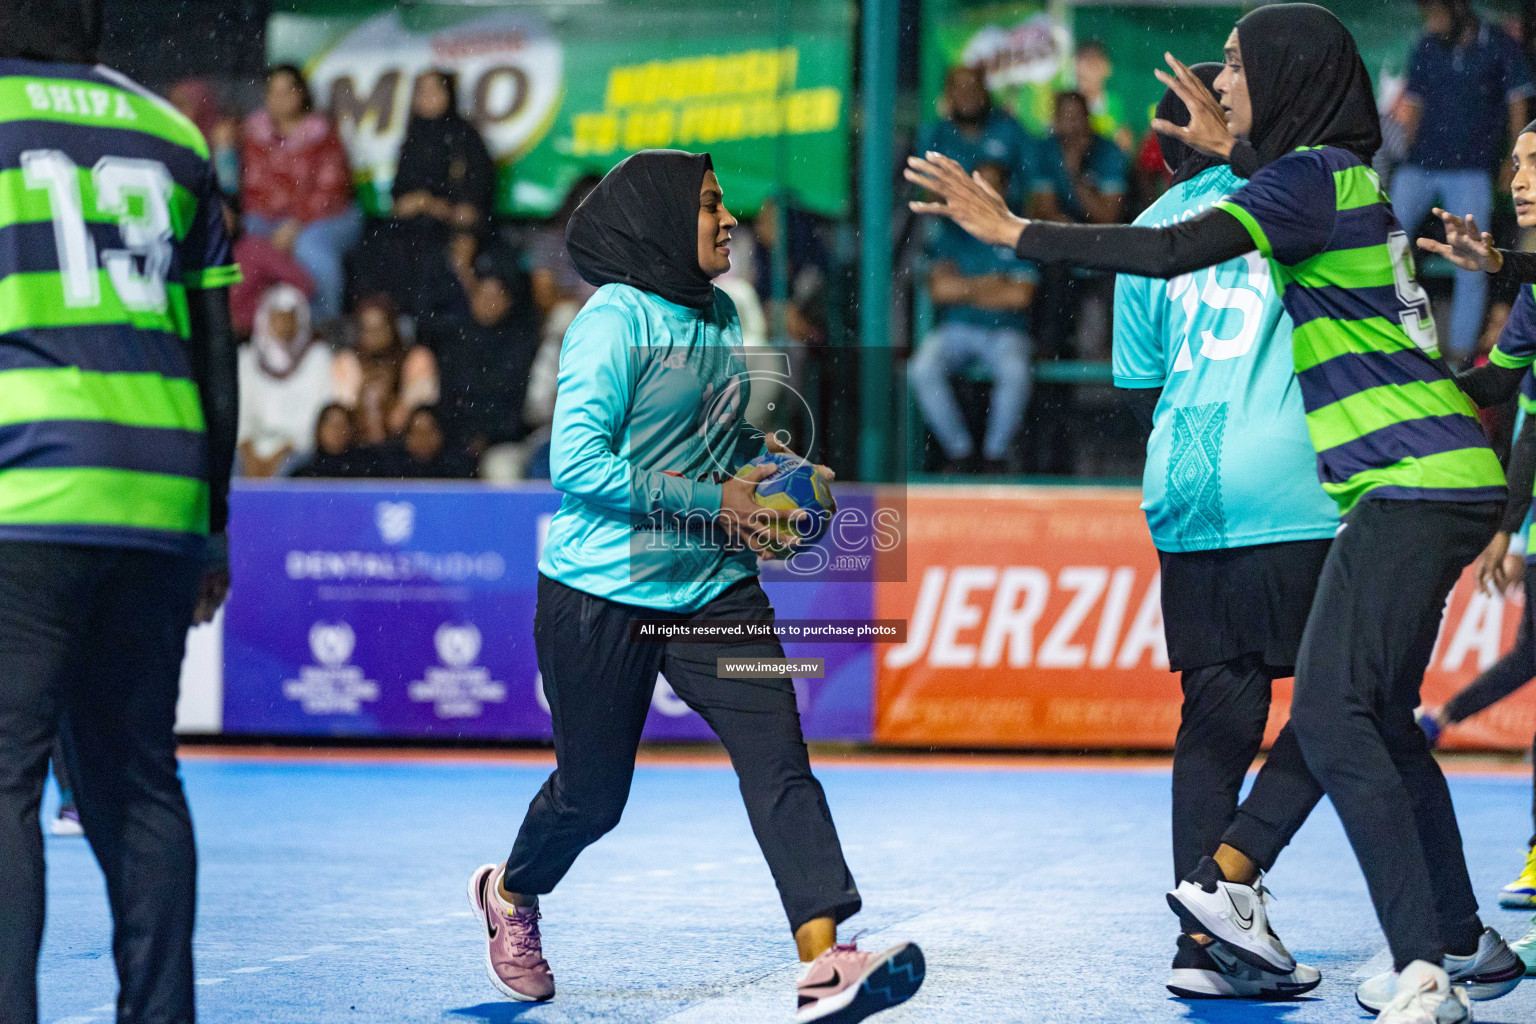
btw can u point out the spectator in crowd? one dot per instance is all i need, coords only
(805, 314)
(982, 294)
(557, 288)
(382, 379)
(1082, 179)
(445, 182)
(333, 455)
(423, 453)
(263, 266)
(1468, 84)
(224, 151)
(1081, 175)
(483, 359)
(195, 99)
(971, 129)
(297, 185)
(285, 379)
(1092, 69)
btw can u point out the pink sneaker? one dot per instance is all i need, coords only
(843, 985)
(514, 956)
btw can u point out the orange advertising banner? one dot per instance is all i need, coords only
(1034, 619)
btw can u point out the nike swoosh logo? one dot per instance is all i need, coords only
(485, 904)
(837, 979)
(1247, 921)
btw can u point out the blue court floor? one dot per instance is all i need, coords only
(333, 891)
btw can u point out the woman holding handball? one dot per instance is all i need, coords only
(655, 525)
(1399, 449)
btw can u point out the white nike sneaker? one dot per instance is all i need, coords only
(1233, 915)
(1493, 971)
(1425, 995)
(1209, 972)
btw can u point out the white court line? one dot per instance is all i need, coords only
(103, 1008)
(210, 981)
(289, 959)
(250, 970)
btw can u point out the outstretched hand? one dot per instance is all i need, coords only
(966, 199)
(1207, 128)
(1465, 245)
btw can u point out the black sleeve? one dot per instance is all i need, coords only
(213, 368)
(1519, 267)
(1213, 237)
(1490, 384)
(1142, 402)
(1521, 476)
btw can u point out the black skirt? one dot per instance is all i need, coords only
(1219, 605)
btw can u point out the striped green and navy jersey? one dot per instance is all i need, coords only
(108, 215)
(1384, 413)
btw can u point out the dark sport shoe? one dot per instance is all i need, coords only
(1202, 972)
(514, 953)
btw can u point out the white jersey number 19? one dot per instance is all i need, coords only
(145, 231)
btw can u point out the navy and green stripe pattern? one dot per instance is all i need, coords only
(1383, 411)
(108, 217)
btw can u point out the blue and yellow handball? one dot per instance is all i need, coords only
(797, 485)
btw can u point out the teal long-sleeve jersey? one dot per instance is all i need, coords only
(649, 422)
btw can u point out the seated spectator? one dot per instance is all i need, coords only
(557, 288)
(263, 266)
(971, 129)
(445, 173)
(1081, 175)
(982, 294)
(1092, 69)
(195, 100)
(333, 455)
(809, 263)
(224, 151)
(382, 379)
(422, 452)
(483, 359)
(445, 183)
(297, 185)
(285, 379)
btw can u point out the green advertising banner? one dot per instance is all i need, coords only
(1026, 45)
(562, 91)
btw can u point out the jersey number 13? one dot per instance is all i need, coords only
(134, 193)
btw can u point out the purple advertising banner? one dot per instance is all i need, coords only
(407, 611)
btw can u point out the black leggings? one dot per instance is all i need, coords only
(599, 684)
(96, 634)
(1504, 677)
(1352, 734)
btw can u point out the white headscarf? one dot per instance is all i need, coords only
(279, 358)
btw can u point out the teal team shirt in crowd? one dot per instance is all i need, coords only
(1104, 167)
(999, 139)
(648, 423)
(971, 257)
(1229, 462)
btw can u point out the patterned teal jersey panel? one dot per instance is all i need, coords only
(1229, 463)
(1384, 413)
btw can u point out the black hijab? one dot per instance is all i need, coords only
(640, 227)
(68, 31)
(1307, 83)
(1186, 161)
(446, 156)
